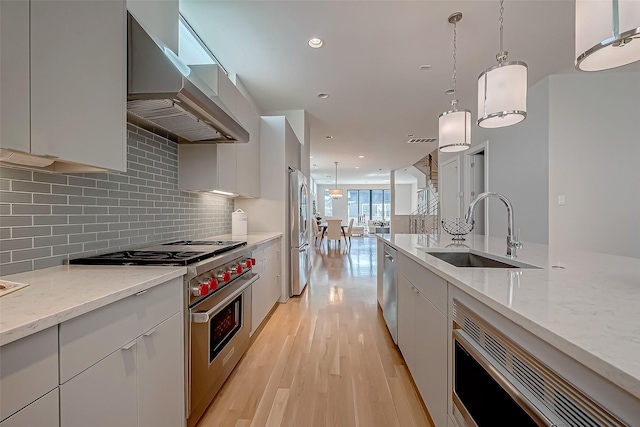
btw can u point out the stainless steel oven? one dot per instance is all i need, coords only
(219, 337)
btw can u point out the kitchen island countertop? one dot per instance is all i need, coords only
(585, 304)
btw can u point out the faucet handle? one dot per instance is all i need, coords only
(516, 243)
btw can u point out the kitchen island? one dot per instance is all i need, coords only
(583, 304)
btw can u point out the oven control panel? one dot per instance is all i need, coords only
(218, 277)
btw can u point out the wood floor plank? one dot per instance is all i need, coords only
(324, 359)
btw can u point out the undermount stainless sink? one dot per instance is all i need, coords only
(473, 260)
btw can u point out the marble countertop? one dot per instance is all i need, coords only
(57, 294)
(589, 308)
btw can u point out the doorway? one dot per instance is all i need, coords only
(476, 163)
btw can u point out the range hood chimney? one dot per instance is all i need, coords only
(164, 95)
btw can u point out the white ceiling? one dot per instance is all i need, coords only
(370, 66)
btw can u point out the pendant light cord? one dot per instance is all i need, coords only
(501, 20)
(455, 51)
(336, 175)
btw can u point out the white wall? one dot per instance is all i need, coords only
(405, 198)
(594, 155)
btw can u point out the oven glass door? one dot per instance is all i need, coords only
(224, 326)
(486, 402)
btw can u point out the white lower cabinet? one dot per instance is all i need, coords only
(41, 413)
(104, 395)
(160, 380)
(265, 293)
(139, 382)
(422, 338)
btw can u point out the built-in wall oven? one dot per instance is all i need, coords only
(497, 382)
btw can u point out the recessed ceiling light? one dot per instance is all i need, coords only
(361, 157)
(410, 135)
(322, 95)
(425, 67)
(315, 42)
(448, 92)
(357, 167)
(328, 137)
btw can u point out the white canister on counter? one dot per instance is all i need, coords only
(239, 223)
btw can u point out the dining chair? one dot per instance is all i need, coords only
(334, 231)
(316, 233)
(349, 232)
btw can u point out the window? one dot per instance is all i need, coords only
(364, 205)
(191, 49)
(328, 203)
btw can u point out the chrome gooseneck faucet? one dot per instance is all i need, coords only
(512, 241)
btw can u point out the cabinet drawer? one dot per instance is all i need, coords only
(28, 370)
(44, 412)
(89, 338)
(429, 284)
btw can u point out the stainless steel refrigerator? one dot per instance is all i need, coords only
(300, 255)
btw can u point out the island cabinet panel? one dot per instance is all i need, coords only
(44, 412)
(422, 334)
(28, 370)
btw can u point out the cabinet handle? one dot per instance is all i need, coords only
(414, 289)
(141, 292)
(129, 346)
(149, 332)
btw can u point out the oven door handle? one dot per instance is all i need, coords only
(204, 317)
(540, 418)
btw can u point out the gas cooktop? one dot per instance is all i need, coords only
(158, 255)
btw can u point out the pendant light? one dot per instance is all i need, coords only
(605, 30)
(502, 90)
(336, 193)
(454, 126)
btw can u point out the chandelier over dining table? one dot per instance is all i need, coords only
(336, 193)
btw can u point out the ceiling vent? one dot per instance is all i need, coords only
(421, 140)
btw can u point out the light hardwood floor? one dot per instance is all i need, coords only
(325, 358)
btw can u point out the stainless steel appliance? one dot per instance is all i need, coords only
(300, 256)
(165, 93)
(390, 292)
(497, 382)
(217, 308)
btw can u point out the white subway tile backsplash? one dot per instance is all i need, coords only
(47, 218)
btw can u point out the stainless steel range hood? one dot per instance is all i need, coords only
(165, 96)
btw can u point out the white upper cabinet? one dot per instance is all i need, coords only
(248, 155)
(63, 83)
(233, 168)
(78, 82)
(159, 18)
(14, 75)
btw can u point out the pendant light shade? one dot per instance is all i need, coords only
(502, 90)
(502, 95)
(454, 131)
(336, 193)
(607, 34)
(454, 126)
